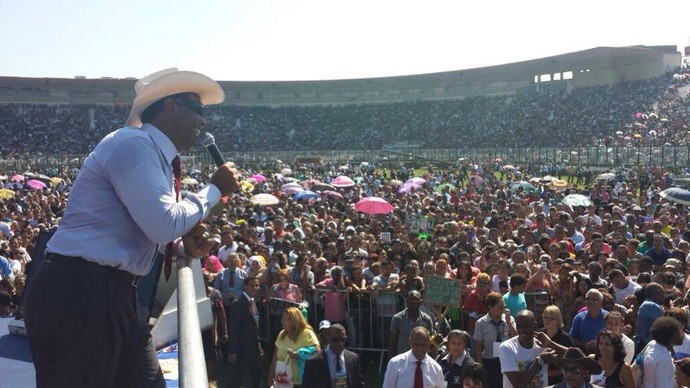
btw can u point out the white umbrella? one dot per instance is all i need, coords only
(607, 176)
(189, 181)
(264, 199)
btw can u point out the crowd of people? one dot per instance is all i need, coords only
(611, 271)
(551, 288)
(650, 112)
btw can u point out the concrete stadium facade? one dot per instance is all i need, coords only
(597, 66)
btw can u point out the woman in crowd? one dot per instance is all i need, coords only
(610, 355)
(581, 286)
(286, 293)
(474, 304)
(455, 358)
(553, 327)
(297, 340)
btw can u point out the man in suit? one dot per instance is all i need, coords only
(334, 367)
(244, 349)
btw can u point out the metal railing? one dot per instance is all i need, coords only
(192, 364)
(668, 156)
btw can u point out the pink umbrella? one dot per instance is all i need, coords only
(17, 178)
(331, 194)
(373, 205)
(259, 178)
(342, 181)
(36, 184)
(309, 183)
(417, 181)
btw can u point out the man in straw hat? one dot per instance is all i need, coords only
(577, 369)
(84, 325)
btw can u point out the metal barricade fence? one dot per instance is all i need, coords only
(367, 329)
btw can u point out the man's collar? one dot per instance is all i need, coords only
(162, 142)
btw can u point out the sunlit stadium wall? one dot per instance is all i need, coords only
(597, 66)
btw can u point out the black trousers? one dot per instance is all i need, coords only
(87, 329)
(493, 371)
(246, 368)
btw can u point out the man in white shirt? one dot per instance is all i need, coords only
(523, 362)
(122, 209)
(229, 246)
(414, 368)
(622, 287)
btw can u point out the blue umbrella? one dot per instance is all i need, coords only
(306, 194)
(677, 195)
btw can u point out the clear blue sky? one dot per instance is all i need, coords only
(315, 39)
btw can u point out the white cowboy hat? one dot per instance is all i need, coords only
(168, 82)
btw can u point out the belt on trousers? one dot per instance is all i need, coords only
(131, 279)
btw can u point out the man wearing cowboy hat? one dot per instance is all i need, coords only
(577, 369)
(85, 326)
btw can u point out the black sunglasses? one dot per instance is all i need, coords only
(193, 105)
(572, 369)
(338, 339)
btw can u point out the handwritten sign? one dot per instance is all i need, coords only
(442, 292)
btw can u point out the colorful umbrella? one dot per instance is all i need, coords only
(407, 187)
(417, 181)
(246, 186)
(323, 187)
(526, 186)
(54, 182)
(6, 193)
(310, 182)
(306, 194)
(189, 181)
(373, 205)
(394, 182)
(259, 178)
(17, 178)
(36, 184)
(559, 184)
(264, 199)
(331, 194)
(342, 181)
(291, 188)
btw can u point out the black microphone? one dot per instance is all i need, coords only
(209, 142)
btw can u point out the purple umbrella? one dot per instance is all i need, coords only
(332, 194)
(407, 187)
(417, 181)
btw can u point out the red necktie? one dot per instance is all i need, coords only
(177, 172)
(418, 379)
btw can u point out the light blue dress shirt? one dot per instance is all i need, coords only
(123, 203)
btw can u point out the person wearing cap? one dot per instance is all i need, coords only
(577, 368)
(324, 325)
(81, 307)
